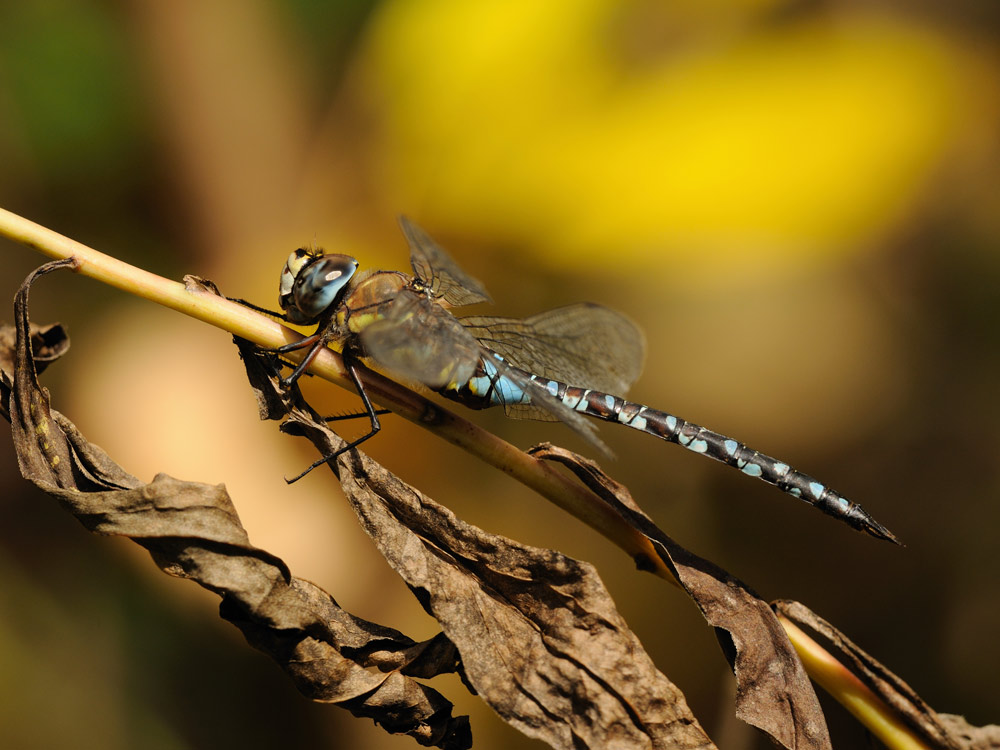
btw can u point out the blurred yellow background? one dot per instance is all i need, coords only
(799, 203)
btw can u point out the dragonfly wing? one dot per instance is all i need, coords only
(417, 339)
(585, 345)
(442, 275)
(546, 407)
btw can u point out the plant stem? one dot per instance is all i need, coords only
(845, 687)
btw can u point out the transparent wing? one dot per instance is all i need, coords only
(585, 345)
(438, 272)
(547, 408)
(418, 340)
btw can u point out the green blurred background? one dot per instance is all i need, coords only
(799, 203)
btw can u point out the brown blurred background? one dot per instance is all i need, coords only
(799, 203)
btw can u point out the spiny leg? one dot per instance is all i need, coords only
(354, 415)
(299, 369)
(370, 411)
(317, 342)
(258, 308)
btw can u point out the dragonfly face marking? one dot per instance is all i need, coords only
(564, 364)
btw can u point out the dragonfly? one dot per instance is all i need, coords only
(565, 364)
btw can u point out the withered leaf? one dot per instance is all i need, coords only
(539, 636)
(970, 737)
(773, 692)
(938, 730)
(48, 343)
(192, 531)
(264, 374)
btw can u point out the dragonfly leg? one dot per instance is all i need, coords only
(317, 341)
(252, 306)
(356, 415)
(370, 411)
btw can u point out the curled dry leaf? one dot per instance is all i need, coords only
(539, 636)
(943, 731)
(192, 531)
(970, 737)
(48, 343)
(773, 692)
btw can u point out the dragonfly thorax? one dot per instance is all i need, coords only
(312, 282)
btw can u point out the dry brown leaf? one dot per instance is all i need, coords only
(773, 692)
(539, 636)
(192, 531)
(970, 737)
(48, 343)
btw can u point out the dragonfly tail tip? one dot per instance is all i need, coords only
(877, 530)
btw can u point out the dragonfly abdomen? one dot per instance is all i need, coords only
(753, 463)
(489, 387)
(701, 440)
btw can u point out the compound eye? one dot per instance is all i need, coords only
(293, 267)
(319, 285)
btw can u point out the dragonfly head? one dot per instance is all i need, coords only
(312, 282)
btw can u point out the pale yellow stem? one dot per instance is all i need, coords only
(845, 687)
